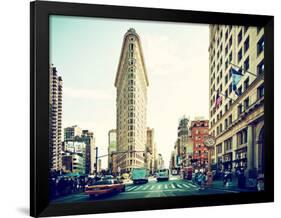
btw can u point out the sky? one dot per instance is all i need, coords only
(86, 53)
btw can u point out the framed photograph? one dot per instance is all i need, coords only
(143, 108)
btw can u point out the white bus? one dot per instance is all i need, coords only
(162, 174)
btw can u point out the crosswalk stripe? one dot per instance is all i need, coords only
(179, 185)
(131, 188)
(152, 187)
(173, 186)
(185, 185)
(192, 185)
(145, 187)
(166, 186)
(138, 188)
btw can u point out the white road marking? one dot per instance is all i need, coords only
(152, 187)
(131, 188)
(166, 186)
(179, 185)
(185, 185)
(138, 188)
(173, 178)
(159, 186)
(192, 185)
(173, 186)
(145, 187)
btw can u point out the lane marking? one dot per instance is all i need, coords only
(217, 189)
(173, 186)
(159, 186)
(166, 186)
(152, 187)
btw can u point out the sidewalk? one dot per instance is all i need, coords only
(231, 186)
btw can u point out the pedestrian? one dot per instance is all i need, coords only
(203, 182)
(199, 180)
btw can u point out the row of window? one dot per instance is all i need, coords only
(240, 109)
(260, 49)
(242, 137)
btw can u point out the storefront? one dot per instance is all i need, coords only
(241, 159)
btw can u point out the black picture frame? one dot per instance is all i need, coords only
(39, 114)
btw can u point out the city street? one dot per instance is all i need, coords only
(174, 187)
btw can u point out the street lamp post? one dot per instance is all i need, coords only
(209, 142)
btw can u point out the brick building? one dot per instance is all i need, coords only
(199, 129)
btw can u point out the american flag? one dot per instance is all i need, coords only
(218, 100)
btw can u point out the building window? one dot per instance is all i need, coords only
(131, 46)
(226, 93)
(246, 103)
(230, 88)
(260, 46)
(260, 91)
(239, 108)
(246, 44)
(230, 102)
(226, 123)
(240, 37)
(228, 144)
(239, 90)
(246, 84)
(246, 64)
(230, 119)
(230, 57)
(240, 53)
(242, 137)
(226, 79)
(226, 35)
(219, 148)
(260, 68)
(230, 42)
(226, 108)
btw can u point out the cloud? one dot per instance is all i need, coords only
(89, 94)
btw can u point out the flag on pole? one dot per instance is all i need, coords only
(236, 77)
(218, 100)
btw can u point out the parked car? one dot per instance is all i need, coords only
(104, 187)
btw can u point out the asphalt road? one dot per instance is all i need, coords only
(174, 187)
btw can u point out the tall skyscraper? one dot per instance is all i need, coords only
(150, 154)
(131, 84)
(55, 120)
(183, 136)
(112, 148)
(237, 121)
(89, 139)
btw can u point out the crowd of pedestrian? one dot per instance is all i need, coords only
(65, 185)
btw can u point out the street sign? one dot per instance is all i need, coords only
(209, 141)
